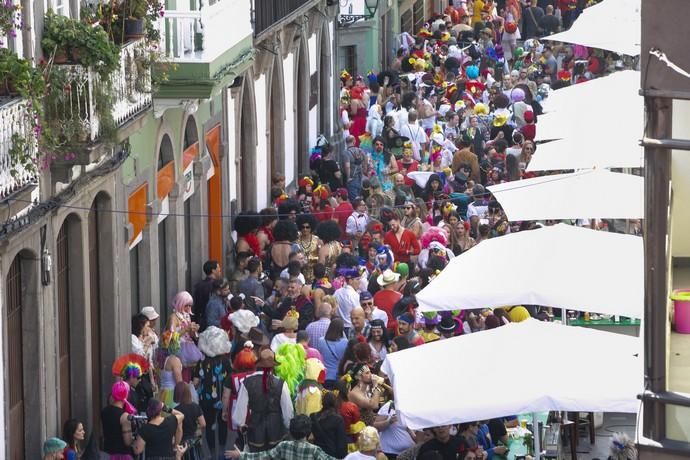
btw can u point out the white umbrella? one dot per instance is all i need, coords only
(579, 153)
(560, 266)
(585, 195)
(495, 373)
(613, 25)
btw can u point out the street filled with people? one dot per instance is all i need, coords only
(281, 356)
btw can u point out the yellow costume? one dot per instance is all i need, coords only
(308, 400)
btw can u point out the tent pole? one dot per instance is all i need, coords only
(536, 435)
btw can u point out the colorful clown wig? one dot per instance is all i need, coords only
(245, 360)
(291, 358)
(130, 365)
(433, 234)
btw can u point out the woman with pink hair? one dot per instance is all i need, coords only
(180, 322)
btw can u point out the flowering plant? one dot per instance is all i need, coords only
(10, 18)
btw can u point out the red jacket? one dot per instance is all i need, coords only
(341, 213)
(403, 249)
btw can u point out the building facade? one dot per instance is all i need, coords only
(90, 238)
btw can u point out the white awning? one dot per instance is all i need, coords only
(587, 154)
(613, 25)
(584, 195)
(524, 367)
(594, 93)
(560, 266)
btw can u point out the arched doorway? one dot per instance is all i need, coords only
(302, 148)
(248, 171)
(191, 151)
(21, 356)
(100, 300)
(70, 308)
(276, 122)
(166, 237)
(325, 96)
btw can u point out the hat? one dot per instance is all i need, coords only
(53, 446)
(244, 320)
(342, 193)
(290, 321)
(267, 359)
(481, 109)
(432, 320)
(257, 336)
(406, 318)
(447, 324)
(368, 439)
(150, 313)
(438, 138)
(528, 116)
(214, 342)
(518, 314)
(460, 176)
(365, 295)
(402, 269)
(388, 277)
(348, 273)
(500, 119)
(350, 414)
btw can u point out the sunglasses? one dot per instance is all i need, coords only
(367, 304)
(306, 226)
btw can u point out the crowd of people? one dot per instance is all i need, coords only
(282, 358)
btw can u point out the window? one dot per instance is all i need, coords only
(61, 7)
(348, 59)
(406, 22)
(418, 15)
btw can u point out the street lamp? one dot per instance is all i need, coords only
(345, 20)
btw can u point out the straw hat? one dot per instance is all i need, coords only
(388, 277)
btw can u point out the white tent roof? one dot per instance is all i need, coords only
(560, 266)
(613, 25)
(613, 87)
(572, 372)
(624, 152)
(598, 121)
(585, 195)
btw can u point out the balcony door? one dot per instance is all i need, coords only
(64, 349)
(15, 359)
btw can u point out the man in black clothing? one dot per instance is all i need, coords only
(203, 289)
(329, 171)
(443, 443)
(549, 23)
(530, 20)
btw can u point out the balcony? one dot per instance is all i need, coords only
(204, 34)
(78, 106)
(16, 174)
(269, 13)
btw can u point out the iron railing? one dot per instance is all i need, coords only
(268, 13)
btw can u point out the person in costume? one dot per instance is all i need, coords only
(170, 366)
(366, 390)
(243, 365)
(266, 399)
(308, 400)
(181, 323)
(209, 376)
(131, 368)
(406, 329)
(429, 333)
(290, 368)
(117, 428)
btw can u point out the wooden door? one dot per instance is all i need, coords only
(215, 197)
(64, 390)
(95, 306)
(15, 361)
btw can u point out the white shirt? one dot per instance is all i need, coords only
(239, 410)
(417, 138)
(377, 313)
(359, 456)
(356, 222)
(348, 299)
(286, 276)
(280, 339)
(395, 438)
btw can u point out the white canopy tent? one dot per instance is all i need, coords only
(613, 87)
(582, 153)
(613, 25)
(560, 266)
(585, 194)
(573, 372)
(594, 121)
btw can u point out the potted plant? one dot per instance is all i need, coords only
(18, 76)
(134, 24)
(86, 44)
(10, 18)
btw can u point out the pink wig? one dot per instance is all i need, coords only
(434, 234)
(181, 299)
(120, 392)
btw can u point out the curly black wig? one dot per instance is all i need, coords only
(285, 230)
(328, 231)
